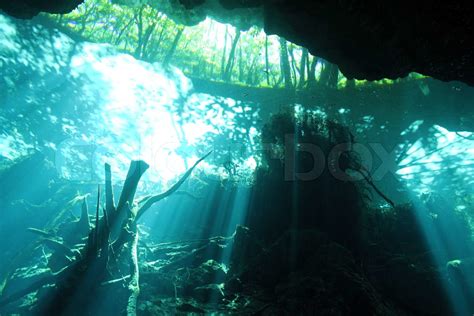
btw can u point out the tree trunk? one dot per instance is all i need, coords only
(294, 68)
(174, 45)
(304, 57)
(230, 61)
(156, 44)
(329, 75)
(120, 34)
(146, 39)
(285, 64)
(334, 77)
(267, 63)
(139, 21)
(350, 84)
(250, 74)
(312, 72)
(224, 53)
(241, 65)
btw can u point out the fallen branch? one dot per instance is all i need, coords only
(90, 265)
(149, 201)
(371, 183)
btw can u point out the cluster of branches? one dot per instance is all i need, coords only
(111, 242)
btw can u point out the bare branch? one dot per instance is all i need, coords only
(156, 198)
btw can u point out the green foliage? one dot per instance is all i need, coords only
(205, 50)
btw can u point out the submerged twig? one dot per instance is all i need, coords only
(40, 232)
(149, 201)
(111, 282)
(372, 184)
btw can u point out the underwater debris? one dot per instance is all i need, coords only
(101, 257)
(368, 179)
(301, 271)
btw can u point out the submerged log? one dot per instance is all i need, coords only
(77, 284)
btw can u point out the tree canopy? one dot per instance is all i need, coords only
(209, 50)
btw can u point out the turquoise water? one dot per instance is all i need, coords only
(400, 206)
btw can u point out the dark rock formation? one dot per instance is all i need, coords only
(373, 39)
(26, 9)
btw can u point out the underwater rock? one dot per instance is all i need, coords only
(287, 254)
(404, 266)
(209, 272)
(209, 293)
(188, 308)
(245, 246)
(414, 286)
(304, 272)
(461, 281)
(200, 280)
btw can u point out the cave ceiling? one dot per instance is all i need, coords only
(367, 39)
